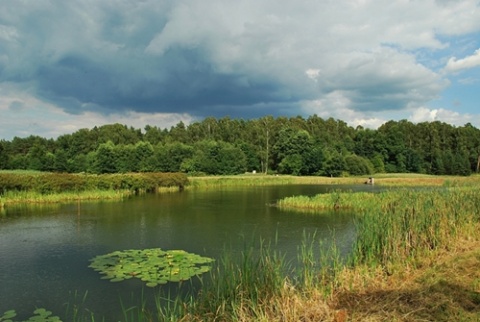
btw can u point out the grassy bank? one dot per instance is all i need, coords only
(387, 180)
(29, 197)
(40, 187)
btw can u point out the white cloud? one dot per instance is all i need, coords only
(424, 114)
(454, 64)
(338, 106)
(24, 115)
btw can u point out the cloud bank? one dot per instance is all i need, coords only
(237, 58)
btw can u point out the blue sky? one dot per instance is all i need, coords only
(66, 65)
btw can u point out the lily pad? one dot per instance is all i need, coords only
(8, 315)
(153, 266)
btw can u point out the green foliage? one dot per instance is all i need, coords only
(153, 266)
(170, 156)
(377, 163)
(356, 165)
(63, 182)
(334, 166)
(3, 156)
(40, 315)
(144, 157)
(8, 315)
(291, 164)
(212, 157)
(105, 158)
(278, 145)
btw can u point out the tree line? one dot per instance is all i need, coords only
(295, 145)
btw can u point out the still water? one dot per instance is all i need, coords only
(45, 251)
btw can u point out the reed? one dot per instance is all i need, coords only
(32, 197)
(227, 181)
(259, 284)
(400, 224)
(386, 180)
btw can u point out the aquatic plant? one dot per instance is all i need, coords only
(153, 266)
(40, 315)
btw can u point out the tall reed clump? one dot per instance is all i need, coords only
(259, 284)
(407, 223)
(335, 200)
(242, 287)
(399, 224)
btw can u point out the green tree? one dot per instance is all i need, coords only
(313, 159)
(377, 163)
(170, 156)
(60, 162)
(144, 157)
(291, 151)
(334, 165)
(212, 157)
(125, 158)
(117, 134)
(105, 158)
(178, 133)
(251, 157)
(231, 159)
(3, 155)
(37, 158)
(291, 164)
(154, 135)
(78, 164)
(357, 165)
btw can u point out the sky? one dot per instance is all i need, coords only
(67, 65)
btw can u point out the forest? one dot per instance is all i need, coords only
(281, 145)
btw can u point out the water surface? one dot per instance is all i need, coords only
(45, 250)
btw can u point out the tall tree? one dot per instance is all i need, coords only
(3, 155)
(105, 158)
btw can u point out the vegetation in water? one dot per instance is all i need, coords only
(40, 315)
(153, 266)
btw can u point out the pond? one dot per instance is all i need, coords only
(45, 250)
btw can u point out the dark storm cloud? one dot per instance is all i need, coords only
(183, 81)
(238, 58)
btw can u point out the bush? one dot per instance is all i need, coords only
(63, 182)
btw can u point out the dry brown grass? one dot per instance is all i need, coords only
(443, 286)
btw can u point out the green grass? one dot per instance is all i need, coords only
(32, 197)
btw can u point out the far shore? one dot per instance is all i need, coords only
(212, 182)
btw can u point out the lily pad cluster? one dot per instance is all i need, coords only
(153, 266)
(40, 315)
